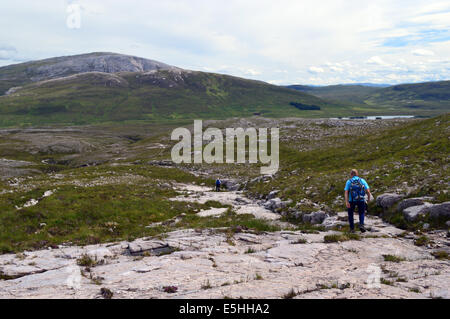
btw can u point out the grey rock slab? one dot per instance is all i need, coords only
(406, 203)
(413, 212)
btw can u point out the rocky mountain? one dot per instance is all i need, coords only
(34, 71)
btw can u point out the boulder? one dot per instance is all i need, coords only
(409, 202)
(440, 210)
(388, 200)
(413, 212)
(230, 185)
(314, 217)
(274, 203)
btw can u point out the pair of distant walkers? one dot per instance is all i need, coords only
(356, 189)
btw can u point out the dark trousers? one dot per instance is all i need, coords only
(217, 188)
(361, 207)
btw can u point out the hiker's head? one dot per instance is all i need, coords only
(354, 172)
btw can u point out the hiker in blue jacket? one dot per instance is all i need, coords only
(355, 190)
(218, 183)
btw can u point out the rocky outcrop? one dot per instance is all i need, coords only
(434, 211)
(314, 217)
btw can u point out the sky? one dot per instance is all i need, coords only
(281, 42)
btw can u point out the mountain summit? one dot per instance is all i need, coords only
(35, 71)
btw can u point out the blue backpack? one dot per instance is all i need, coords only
(357, 190)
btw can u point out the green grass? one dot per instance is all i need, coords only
(393, 258)
(340, 237)
(421, 241)
(104, 213)
(440, 254)
(385, 281)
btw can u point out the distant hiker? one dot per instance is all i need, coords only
(218, 183)
(356, 189)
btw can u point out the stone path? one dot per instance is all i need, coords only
(215, 263)
(240, 203)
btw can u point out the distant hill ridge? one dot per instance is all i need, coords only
(103, 87)
(428, 96)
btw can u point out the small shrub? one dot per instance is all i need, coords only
(333, 238)
(299, 241)
(250, 251)
(386, 282)
(440, 254)
(393, 258)
(87, 261)
(421, 241)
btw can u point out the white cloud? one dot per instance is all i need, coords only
(325, 42)
(376, 60)
(315, 69)
(422, 52)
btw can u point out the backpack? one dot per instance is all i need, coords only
(218, 182)
(357, 190)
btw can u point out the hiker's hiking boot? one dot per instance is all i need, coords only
(362, 229)
(352, 231)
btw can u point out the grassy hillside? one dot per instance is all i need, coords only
(113, 190)
(427, 99)
(411, 158)
(155, 96)
(419, 96)
(341, 93)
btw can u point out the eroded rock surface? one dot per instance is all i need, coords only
(210, 264)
